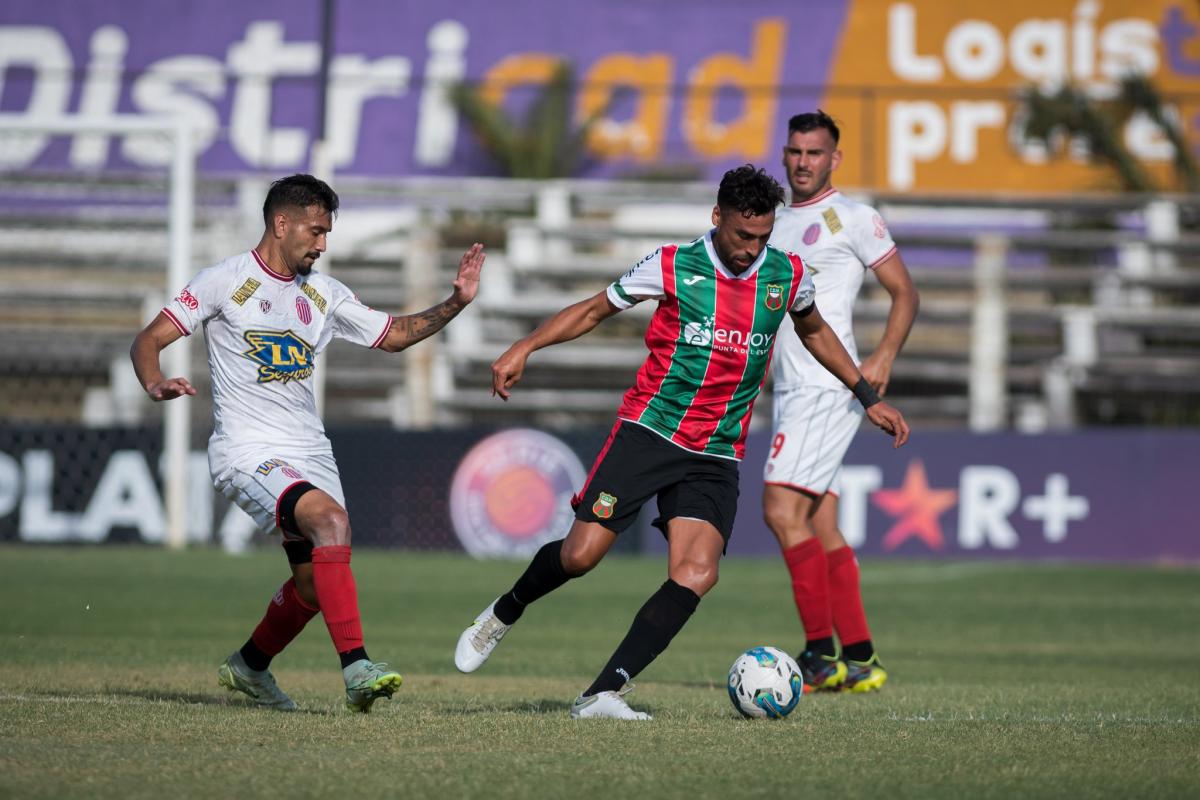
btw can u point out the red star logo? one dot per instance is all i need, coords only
(920, 507)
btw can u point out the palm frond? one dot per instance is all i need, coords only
(546, 143)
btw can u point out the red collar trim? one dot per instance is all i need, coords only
(810, 201)
(268, 270)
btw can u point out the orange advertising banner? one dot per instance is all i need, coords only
(928, 91)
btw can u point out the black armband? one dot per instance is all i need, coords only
(866, 393)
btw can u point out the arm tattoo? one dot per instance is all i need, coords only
(412, 328)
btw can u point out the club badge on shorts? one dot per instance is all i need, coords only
(603, 508)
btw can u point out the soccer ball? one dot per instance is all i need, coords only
(765, 682)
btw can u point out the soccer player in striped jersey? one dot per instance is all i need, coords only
(815, 417)
(266, 313)
(681, 428)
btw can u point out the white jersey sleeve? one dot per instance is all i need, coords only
(869, 237)
(200, 300)
(643, 282)
(353, 321)
(807, 293)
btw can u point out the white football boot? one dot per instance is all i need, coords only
(478, 641)
(606, 705)
(235, 676)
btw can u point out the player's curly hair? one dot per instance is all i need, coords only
(749, 191)
(299, 191)
(811, 121)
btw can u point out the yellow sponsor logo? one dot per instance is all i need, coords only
(315, 296)
(831, 219)
(246, 291)
(281, 355)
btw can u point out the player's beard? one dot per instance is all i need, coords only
(817, 183)
(306, 266)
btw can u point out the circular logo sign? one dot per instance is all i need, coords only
(512, 493)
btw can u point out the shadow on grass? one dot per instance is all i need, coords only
(542, 706)
(184, 698)
(716, 687)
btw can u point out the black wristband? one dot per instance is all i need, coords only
(866, 393)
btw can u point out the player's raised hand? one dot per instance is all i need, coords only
(507, 370)
(169, 389)
(466, 284)
(890, 421)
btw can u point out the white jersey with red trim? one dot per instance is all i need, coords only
(263, 331)
(839, 240)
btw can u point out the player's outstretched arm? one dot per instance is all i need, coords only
(570, 323)
(409, 329)
(826, 347)
(893, 275)
(144, 353)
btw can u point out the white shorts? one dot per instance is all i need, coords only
(257, 486)
(814, 426)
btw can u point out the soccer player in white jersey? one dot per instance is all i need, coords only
(815, 416)
(266, 314)
(681, 428)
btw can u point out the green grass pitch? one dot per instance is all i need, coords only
(1007, 680)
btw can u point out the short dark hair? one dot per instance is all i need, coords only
(806, 123)
(750, 191)
(299, 191)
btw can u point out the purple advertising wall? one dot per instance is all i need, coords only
(1119, 495)
(247, 75)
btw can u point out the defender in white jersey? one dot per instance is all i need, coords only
(266, 315)
(815, 418)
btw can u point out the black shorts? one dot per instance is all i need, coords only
(636, 464)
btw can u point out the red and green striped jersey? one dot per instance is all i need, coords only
(710, 340)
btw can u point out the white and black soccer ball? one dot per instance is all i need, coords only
(765, 682)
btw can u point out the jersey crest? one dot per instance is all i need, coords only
(281, 356)
(774, 299)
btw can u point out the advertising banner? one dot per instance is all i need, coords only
(925, 89)
(1097, 495)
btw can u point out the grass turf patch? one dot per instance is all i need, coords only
(1006, 680)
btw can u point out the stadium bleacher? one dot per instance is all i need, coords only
(1099, 297)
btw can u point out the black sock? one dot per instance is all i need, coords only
(544, 574)
(255, 658)
(859, 651)
(350, 656)
(822, 647)
(655, 625)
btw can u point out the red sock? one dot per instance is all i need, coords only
(337, 596)
(846, 598)
(286, 616)
(810, 587)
